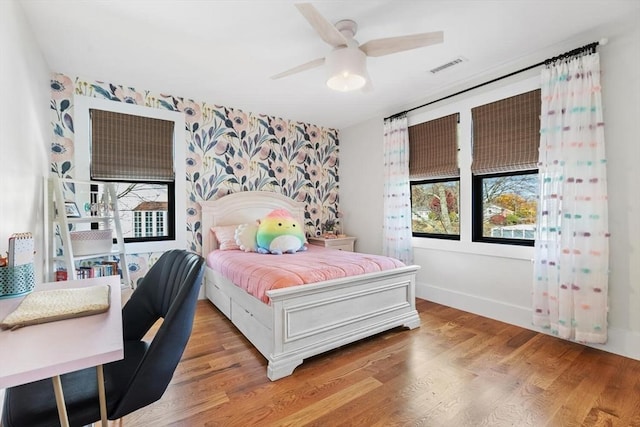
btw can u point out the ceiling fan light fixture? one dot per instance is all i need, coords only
(346, 64)
(346, 69)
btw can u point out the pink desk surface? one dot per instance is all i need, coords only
(42, 351)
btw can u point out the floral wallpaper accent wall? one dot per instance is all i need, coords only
(228, 151)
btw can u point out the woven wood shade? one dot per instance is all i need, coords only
(506, 134)
(131, 148)
(433, 148)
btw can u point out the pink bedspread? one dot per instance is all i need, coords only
(257, 273)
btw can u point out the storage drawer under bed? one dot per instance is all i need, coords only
(218, 297)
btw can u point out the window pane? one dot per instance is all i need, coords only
(137, 224)
(509, 206)
(139, 204)
(160, 223)
(434, 207)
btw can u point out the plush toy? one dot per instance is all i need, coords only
(279, 233)
(246, 237)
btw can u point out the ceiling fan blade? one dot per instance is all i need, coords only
(304, 67)
(327, 31)
(381, 47)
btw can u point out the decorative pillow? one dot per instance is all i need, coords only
(225, 234)
(279, 233)
(246, 237)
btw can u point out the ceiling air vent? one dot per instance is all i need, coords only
(449, 64)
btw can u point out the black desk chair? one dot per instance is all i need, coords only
(168, 291)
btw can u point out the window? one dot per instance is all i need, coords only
(435, 178)
(160, 223)
(174, 230)
(137, 224)
(151, 200)
(506, 204)
(504, 168)
(137, 153)
(435, 208)
(148, 224)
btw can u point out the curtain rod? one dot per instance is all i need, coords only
(591, 48)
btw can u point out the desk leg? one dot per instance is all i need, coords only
(102, 396)
(62, 409)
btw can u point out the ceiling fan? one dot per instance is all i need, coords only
(346, 63)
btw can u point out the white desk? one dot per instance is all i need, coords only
(51, 349)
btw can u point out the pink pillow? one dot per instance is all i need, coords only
(226, 236)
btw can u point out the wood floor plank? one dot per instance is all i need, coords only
(583, 398)
(457, 369)
(327, 405)
(616, 404)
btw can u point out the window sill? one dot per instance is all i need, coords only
(149, 247)
(475, 248)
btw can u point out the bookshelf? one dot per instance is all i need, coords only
(85, 233)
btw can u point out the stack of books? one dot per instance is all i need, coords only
(105, 268)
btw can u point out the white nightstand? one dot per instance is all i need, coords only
(340, 243)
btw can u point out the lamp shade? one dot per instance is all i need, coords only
(346, 69)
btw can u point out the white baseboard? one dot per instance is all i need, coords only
(620, 341)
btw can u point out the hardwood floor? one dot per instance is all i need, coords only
(457, 369)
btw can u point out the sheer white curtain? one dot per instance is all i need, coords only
(572, 242)
(397, 201)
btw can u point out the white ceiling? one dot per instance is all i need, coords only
(224, 52)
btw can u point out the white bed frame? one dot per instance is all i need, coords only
(303, 321)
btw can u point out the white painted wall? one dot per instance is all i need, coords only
(24, 130)
(361, 174)
(496, 281)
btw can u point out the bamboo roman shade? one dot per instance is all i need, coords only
(125, 147)
(433, 148)
(506, 134)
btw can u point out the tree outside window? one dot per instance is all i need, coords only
(435, 208)
(508, 207)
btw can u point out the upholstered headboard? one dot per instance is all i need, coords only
(241, 208)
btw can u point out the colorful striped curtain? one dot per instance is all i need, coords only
(572, 243)
(397, 201)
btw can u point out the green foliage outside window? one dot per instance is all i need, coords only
(435, 207)
(509, 205)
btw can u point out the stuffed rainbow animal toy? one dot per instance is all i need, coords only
(279, 233)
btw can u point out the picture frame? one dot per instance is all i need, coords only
(71, 210)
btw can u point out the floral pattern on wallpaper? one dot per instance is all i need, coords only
(228, 151)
